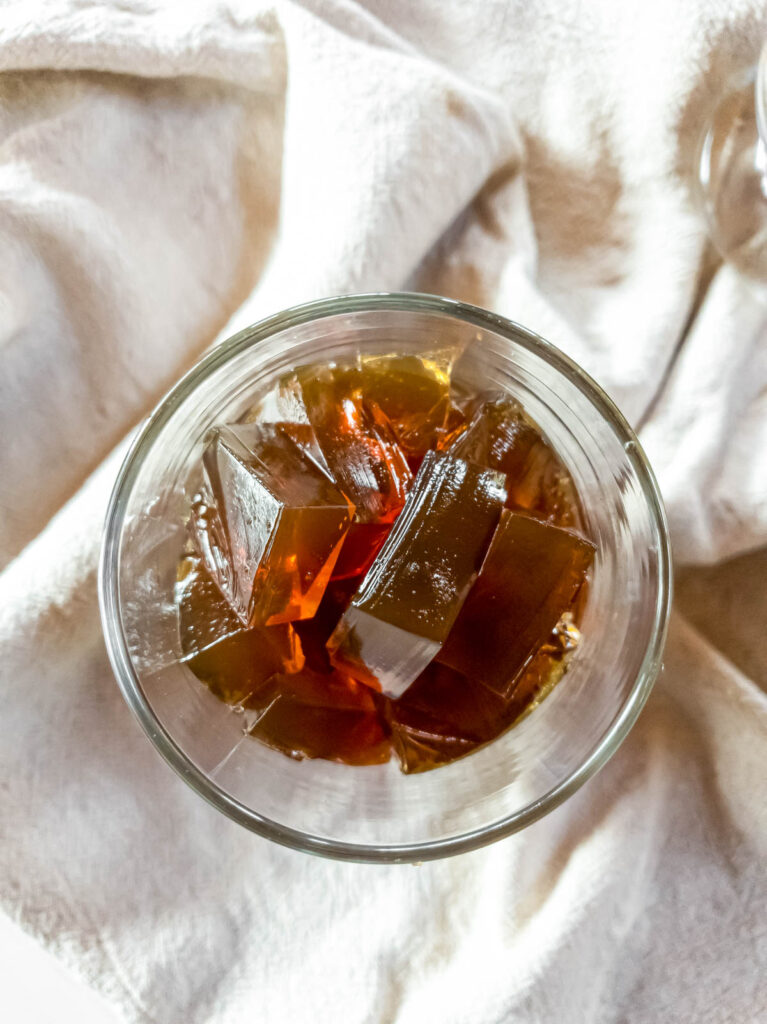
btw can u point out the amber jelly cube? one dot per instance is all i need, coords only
(282, 524)
(327, 411)
(412, 593)
(538, 678)
(231, 660)
(357, 442)
(361, 545)
(529, 578)
(413, 392)
(456, 423)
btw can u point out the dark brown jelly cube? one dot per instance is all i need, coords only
(443, 715)
(529, 578)
(320, 715)
(413, 591)
(501, 436)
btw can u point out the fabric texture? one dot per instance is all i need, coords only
(171, 173)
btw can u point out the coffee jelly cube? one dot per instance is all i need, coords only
(231, 660)
(280, 524)
(501, 436)
(413, 591)
(413, 392)
(442, 716)
(283, 407)
(357, 442)
(529, 578)
(320, 715)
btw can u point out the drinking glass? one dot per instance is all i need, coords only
(376, 813)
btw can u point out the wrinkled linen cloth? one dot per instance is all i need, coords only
(169, 174)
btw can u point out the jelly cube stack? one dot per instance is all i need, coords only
(380, 564)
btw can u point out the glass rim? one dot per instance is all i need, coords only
(109, 597)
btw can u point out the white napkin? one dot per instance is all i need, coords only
(170, 172)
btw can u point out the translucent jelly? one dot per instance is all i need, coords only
(283, 407)
(528, 580)
(443, 715)
(413, 591)
(232, 660)
(382, 563)
(346, 433)
(358, 443)
(277, 524)
(500, 434)
(413, 393)
(308, 714)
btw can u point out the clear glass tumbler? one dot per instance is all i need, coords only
(376, 813)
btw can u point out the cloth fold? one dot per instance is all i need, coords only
(170, 173)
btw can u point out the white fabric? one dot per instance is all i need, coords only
(168, 171)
